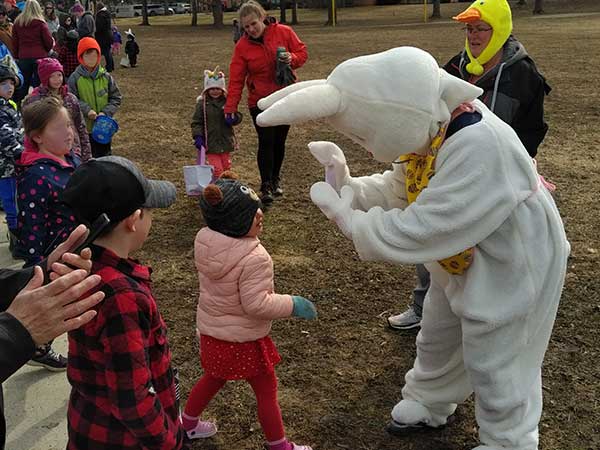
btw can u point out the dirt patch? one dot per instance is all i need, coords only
(341, 375)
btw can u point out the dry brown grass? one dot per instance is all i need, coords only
(341, 376)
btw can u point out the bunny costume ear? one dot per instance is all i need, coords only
(315, 101)
(391, 103)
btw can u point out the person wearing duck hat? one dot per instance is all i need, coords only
(513, 89)
(94, 86)
(494, 60)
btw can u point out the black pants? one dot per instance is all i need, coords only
(132, 59)
(99, 149)
(107, 53)
(271, 148)
(28, 69)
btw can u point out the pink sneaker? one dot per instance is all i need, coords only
(300, 447)
(203, 429)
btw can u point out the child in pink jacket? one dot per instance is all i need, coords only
(235, 309)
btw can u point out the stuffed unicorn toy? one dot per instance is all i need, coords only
(464, 198)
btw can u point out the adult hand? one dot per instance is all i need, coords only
(333, 159)
(101, 113)
(51, 310)
(285, 57)
(60, 257)
(303, 308)
(92, 115)
(337, 207)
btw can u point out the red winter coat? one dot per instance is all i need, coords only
(255, 63)
(32, 41)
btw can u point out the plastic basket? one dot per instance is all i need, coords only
(197, 178)
(104, 129)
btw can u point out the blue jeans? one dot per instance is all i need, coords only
(8, 195)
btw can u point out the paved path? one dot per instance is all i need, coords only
(35, 400)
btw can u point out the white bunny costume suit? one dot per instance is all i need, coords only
(485, 331)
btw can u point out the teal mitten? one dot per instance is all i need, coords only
(304, 308)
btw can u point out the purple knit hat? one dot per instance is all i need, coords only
(77, 8)
(46, 67)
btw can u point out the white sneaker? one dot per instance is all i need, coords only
(202, 430)
(405, 321)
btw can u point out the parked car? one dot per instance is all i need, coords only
(178, 8)
(124, 10)
(153, 10)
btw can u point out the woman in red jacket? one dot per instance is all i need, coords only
(32, 40)
(254, 62)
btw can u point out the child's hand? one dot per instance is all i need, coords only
(230, 118)
(304, 308)
(199, 142)
(92, 115)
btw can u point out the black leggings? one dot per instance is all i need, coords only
(271, 148)
(28, 67)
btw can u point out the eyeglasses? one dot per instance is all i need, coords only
(476, 30)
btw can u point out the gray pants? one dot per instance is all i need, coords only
(420, 290)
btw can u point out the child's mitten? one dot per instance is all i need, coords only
(304, 308)
(230, 119)
(199, 142)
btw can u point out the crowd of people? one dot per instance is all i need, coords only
(57, 172)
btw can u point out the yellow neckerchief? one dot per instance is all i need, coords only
(13, 104)
(419, 170)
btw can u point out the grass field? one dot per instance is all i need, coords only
(341, 376)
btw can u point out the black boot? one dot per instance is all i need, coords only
(277, 191)
(266, 193)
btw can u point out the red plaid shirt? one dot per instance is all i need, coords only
(68, 59)
(123, 392)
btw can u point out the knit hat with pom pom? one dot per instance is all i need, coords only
(229, 206)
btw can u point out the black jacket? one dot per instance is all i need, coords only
(514, 90)
(104, 34)
(16, 345)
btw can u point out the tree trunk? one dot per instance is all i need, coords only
(294, 12)
(145, 12)
(282, 6)
(436, 14)
(538, 7)
(331, 13)
(217, 10)
(522, 3)
(194, 6)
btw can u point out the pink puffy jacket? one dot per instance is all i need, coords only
(236, 301)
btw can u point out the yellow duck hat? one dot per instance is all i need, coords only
(495, 12)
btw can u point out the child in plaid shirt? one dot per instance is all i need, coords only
(67, 53)
(123, 392)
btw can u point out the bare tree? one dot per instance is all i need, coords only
(194, 6)
(331, 13)
(282, 6)
(538, 7)
(217, 10)
(294, 12)
(436, 14)
(145, 12)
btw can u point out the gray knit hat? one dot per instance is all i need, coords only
(229, 206)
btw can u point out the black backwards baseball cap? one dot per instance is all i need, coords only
(115, 186)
